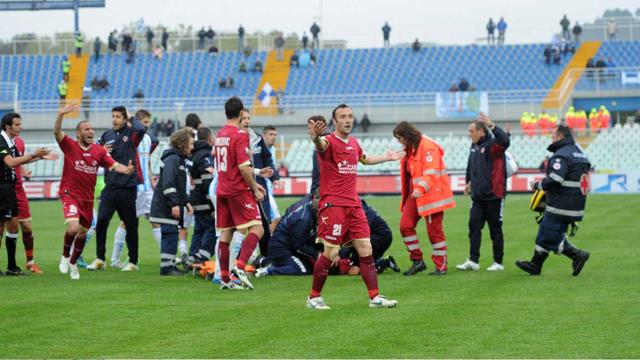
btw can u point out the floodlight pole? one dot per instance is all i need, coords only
(76, 15)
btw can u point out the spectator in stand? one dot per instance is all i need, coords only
(95, 85)
(139, 94)
(103, 84)
(612, 29)
(548, 52)
(416, 46)
(305, 40)
(97, 47)
(213, 50)
(257, 66)
(283, 170)
(241, 39)
(365, 123)
(164, 39)
(502, 29)
(279, 43)
(577, 31)
(565, 23)
(126, 42)
(222, 83)
(243, 67)
(491, 28)
(211, 36)
(150, 35)
(247, 51)
(202, 34)
(386, 32)
(556, 57)
(157, 52)
(170, 128)
(131, 53)
(315, 30)
(112, 42)
(463, 85)
(294, 60)
(454, 88)
(229, 82)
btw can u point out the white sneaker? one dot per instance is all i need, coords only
(73, 272)
(468, 265)
(64, 265)
(130, 267)
(317, 303)
(231, 286)
(261, 272)
(116, 265)
(381, 301)
(495, 267)
(242, 276)
(97, 264)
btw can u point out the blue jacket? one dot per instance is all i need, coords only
(125, 143)
(171, 189)
(202, 160)
(295, 235)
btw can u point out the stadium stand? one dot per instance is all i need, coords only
(623, 54)
(37, 75)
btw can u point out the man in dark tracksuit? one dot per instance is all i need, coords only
(203, 241)
(262, 159)
(381, 238)
(486, 180)
(120, 193)
(566, 186)
(170, 197)
(292, 248)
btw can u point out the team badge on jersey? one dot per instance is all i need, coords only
(125, 138)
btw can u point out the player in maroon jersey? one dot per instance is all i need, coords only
(341, 219)
(238, 196)
(82, 158)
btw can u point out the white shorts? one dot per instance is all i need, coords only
(143, 203)
(187, 220)
(275, 213)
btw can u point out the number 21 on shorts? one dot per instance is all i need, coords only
(337, 229)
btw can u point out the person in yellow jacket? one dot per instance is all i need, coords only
(62, 89)
(594, 121)
(570, 117)
(79, 43)
(605, 117)
(426, 193)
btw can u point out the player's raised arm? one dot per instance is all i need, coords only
(391, 155)
(121, 169)
(57, 127)
(316, 129)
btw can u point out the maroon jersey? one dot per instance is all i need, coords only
(81, 168)
(232, 150)
(338, 171)
(20, 147)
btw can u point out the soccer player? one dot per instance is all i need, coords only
(238, 195)
(82, 158)
(120, 190)
(10, 159)
(341, 219)
(144, 191)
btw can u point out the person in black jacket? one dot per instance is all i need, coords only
(486, 180)
(566, 186)
(203, 241)
(170, 197)
(119, 194)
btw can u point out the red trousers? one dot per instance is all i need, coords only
(408, 223)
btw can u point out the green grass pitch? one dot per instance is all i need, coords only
(471, 315)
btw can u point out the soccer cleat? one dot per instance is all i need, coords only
(416, 267)
(231, 286)
(170, 271)
(495, 267)
(130, 267)
(73, 272)
(578, 261)
(261, 272)
(116, 265)
(437, 272)
(468, 265)
(81, 263)
(64, 265)
(97, 264)
(393, 265)
(317, 303)
(34, 268)
(242, 276)
(14, 272)
(381, 301)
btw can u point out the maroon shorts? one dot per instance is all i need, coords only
(24, 214)
(80, 210)
(238, 212)
(338, 225)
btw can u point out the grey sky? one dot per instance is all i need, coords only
(357, 21)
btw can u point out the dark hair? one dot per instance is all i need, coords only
(232, 107)
(204, 133)
(7, 119)
(268, 128)
(80, 123)
(142, 113)
(317, 118)
(563, 130)
(341, 106)
(192, 120)
(481, 126)
(122, 110)
(410, 133)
